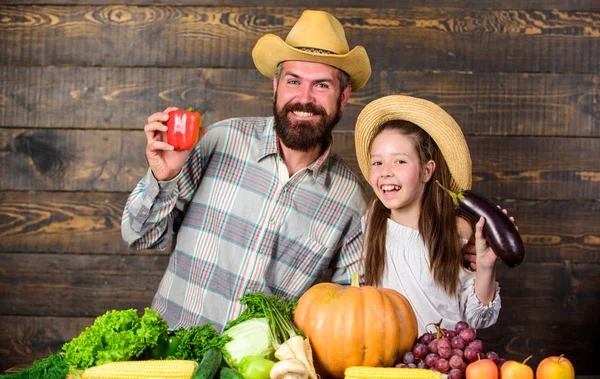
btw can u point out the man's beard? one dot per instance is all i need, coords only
(304, 135)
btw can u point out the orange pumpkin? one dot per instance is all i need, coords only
(355, 326)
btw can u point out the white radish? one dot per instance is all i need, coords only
(289, 369)
(298, 348)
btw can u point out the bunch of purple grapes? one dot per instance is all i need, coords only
(448, 351)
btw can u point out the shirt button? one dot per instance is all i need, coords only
(272, 221)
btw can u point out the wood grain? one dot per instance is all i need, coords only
(77, 285)
(570, 290)
(64, 222)
(83, 285)
(123, 98)
(583, 5)
(24, 339)
(89, 223)
(409, 39)
(114, 161)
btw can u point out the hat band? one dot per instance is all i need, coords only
(313, 50)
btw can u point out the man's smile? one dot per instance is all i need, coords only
(303, 114)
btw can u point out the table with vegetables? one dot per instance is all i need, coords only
(332, 331)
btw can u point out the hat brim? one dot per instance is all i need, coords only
(430, 117)
(270, 50)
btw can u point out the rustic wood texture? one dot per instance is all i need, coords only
(26, 338)
(408, 39)
(78, 80)
(110, 160)
(89, 223)
(77, 285)
(122, 98)
(64, 222)
(88, 285)
(584, 5)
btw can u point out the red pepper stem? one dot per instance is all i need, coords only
(191, 109)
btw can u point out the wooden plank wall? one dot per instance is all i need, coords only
(79, 78)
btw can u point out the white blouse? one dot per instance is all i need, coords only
(407, 271)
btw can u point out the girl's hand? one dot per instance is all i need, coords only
(486, 258)
(469, 249)
(466, 232)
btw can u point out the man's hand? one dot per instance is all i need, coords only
(164, 161)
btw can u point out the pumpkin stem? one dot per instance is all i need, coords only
(561, 357)
(355, 280)
(528, 358)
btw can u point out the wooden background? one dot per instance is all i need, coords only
(79, 78)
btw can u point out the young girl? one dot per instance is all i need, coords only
(412, 244)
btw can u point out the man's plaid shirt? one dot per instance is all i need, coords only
(242, 230)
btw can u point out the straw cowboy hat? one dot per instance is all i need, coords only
(428, 116)
(319, 37)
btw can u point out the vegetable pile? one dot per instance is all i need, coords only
(262, 343)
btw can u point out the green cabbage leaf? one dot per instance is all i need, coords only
(250, 337)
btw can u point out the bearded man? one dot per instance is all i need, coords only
(266, 205)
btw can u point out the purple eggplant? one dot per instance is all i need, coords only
(500, 232)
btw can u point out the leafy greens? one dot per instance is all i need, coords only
(278, 311)
(118, 335)
(195, 341)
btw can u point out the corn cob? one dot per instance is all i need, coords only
(364, 372)
(152, 369)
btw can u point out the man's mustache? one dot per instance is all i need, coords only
(309, 107)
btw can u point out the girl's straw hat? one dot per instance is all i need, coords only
(428, 116)
(318, 37)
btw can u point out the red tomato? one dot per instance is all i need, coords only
(183, 128)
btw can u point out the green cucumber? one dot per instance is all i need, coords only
(210, 364)
(228, 373)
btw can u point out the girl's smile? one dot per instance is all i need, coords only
(389, 190)
(397, 176)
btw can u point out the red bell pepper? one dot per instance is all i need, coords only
(183, 128)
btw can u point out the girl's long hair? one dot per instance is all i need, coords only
(437, 224)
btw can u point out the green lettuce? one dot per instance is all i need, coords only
(115, 336)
